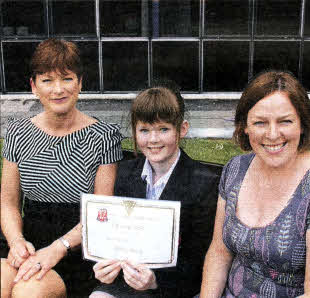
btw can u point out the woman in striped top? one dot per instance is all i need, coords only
(53, 158)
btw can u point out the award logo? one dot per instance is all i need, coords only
(102, 215)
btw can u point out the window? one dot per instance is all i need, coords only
(276, 55)
(224, 17)
(205, 46)
(22, 19)
(73, 17)
(223, 61)
(124, 65)
(178, 61)
(278, 18)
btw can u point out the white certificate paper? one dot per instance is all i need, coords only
(143, 231)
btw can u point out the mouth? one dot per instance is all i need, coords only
(155, 149)
(60, 99)
(274, 148)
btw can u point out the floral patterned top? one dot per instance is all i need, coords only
(268, 261)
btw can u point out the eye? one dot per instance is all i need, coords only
(259, 123)
(143, 130)
(286, 121)
(164, 129)
(68, 79)
(46, 80)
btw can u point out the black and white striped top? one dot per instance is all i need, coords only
(59, 169)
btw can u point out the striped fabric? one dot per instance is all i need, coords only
(59, 169)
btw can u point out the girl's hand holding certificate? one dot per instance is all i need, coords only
(107, 270)
(138, 276)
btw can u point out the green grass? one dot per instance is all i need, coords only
(210, 150)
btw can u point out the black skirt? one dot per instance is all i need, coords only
(46, 222)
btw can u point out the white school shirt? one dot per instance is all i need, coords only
(153, 192)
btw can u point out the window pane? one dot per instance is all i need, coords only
(276, 55)
(226, 17)
(124, 65)
(220, 69)
(124, 18)
(278, 17)
(306, 66)
(89, 55)
(175, 18)
(16, 60)
(177, 61)
(73, 17)
(307, 21)
(22, 18)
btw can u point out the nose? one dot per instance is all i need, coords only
(154, 136)
(273, 131)
(58, 87)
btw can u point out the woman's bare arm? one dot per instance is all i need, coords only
(218, 259)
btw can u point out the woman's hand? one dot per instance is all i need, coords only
(106, 271)
(20, 250)
(138, 276)
(41, 262)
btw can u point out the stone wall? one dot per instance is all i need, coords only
(207, 117)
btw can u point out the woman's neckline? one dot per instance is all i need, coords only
(64, 136)
(289, 202)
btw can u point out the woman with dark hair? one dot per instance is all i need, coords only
(261, 240)
(52, 157)
(164, 172)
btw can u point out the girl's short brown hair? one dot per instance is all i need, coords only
(157, 104)
(56, 54)
(263, 85)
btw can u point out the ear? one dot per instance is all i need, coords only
(80, 83)
(33, 87)
(246, 130)
(184, 129)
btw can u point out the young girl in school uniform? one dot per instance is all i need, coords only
(164, 172)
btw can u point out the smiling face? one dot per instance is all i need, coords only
(57, 92)
(159, 142)
(274, 130)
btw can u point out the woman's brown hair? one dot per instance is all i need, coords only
(263, 85)
(160, 103)
(56, 55)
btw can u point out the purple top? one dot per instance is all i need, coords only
(268, 261)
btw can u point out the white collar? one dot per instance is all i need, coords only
(147, 172)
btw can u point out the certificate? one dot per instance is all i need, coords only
(143, 231)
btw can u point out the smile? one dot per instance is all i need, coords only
(274, 148)
(57, 99)
(155, 148)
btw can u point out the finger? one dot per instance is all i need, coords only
(108, 270)
(30, 248)
(129, 269)
(104, 263)
(17, 263)
(19, 248)
(110, 277)
(22, 271)
(34, 269)
(42, 272)
(132, 274)
(19, 260)
(132, 282)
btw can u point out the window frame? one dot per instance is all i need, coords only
(252, 38)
